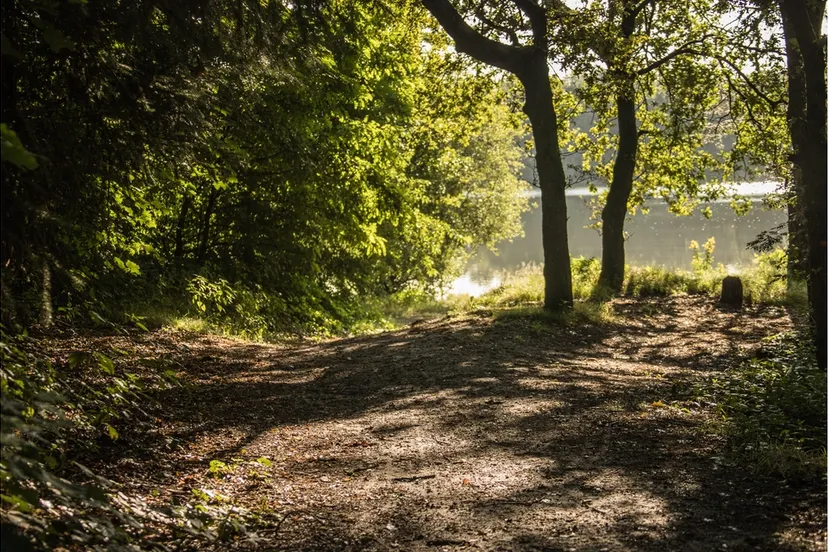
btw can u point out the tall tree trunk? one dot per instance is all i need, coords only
(615, 211)
(541, 112)
(801, 22)
(45, 317)
(797, 229)
(529, 64)
(613, 259)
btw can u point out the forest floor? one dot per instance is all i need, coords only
(475, 432)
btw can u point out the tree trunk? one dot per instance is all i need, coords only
(801, 23)
(179, 228)
(797, 235)
(529, 64)
(45, 317)
(204, 235)
(613, 261)
(615, 211)
(797, 231)
(541, 112)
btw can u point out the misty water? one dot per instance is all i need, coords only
(658, 238)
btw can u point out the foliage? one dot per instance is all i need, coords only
(702, 256)
(773, 408)
(52, 414)
(42, 496)
(765, 282)
(669, 64)
(275, 163)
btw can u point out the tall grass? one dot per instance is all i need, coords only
(765, 282)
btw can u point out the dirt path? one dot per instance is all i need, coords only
(475, 433)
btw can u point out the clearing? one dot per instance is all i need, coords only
(475, 432)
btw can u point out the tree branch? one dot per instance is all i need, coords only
(640, 7)
(481, 15)
(749, 83)
(674, 54)
(468, 41)
(537, 18)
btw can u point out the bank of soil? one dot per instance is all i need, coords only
(472, 433)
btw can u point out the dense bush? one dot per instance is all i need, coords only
(267, 166)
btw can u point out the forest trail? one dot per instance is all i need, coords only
(472, 433)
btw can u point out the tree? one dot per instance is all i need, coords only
(278, 163)
(640, 64)
(805, 45)
(529, 63)
(805, 158)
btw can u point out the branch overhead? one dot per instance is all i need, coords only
(471, 42)
(537, 18)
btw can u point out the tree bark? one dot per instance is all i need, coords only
(797, 259)
(801, 23)
(205, 227)
(797, 230)
(615, 211)
(529, 64)
(45, 317)
(613, 259)
(179, 228)
(540, 109)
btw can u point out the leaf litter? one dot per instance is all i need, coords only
(464, 433)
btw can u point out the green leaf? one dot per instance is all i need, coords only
(13, 151)
(264, 461)
(106, 364)
(97, 318)
(17, 502)
(113, 433)
(133, 268)
(77, 358)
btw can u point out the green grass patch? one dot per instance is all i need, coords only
(540, 319)
(765, 282)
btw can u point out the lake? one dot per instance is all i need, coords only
(657, 238)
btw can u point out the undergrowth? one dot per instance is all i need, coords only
(218, 307)
(773, 409)
(54, 414)
(765, 281)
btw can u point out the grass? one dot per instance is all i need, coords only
(520, 294)
(583, 312)
(773, 409)
(764, 282)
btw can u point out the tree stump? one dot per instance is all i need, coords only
(732, 292)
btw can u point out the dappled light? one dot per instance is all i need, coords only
(438, 275)
(456, 432)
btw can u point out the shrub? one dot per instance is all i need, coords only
(773, 408)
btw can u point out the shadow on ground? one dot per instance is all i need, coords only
(480, 433)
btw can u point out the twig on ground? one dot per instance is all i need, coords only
(447, 542)
(412, 478)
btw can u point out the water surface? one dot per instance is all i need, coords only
(658, 238)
